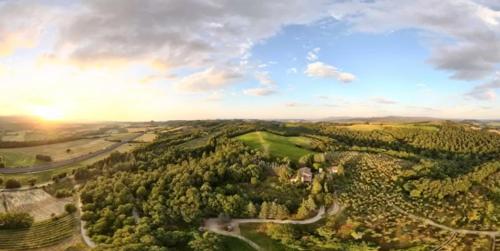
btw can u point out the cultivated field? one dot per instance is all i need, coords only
(25, 156)
(371, 127)
(41, 234)
(276, 145)
(36, 202)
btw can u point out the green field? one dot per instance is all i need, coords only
(278, 146)
(41, 234)
(265, 242)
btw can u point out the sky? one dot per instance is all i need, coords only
(133, 60)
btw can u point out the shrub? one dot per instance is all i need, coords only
(63, 193)
(70, 208)
(15, 220)
(82, 174)
(12, 183)
(32, 182)
(43, 157)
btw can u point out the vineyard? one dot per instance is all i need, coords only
(41, 234)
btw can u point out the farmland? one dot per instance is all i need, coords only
(25, 156)
(278, 146)
(36, 202)
(41, 234)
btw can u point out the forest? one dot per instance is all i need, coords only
(159, 196)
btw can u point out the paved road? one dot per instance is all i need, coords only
(57, 164)
(212, 224)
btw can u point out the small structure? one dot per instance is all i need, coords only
(304, 174)
(336, 169)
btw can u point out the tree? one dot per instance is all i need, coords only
(316, 186)
(206, 242)
(15, 220)
(251, 210)
(264, 210)
(70, 208)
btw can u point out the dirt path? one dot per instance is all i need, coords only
(86, 239)
(263, 143)
(57, 164)
(491, 234)
(213, 225)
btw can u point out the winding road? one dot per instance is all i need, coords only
(57, 164)
(213, 224)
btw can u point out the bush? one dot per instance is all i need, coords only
(15, 220)
(70, 208)
(2, 162)
(63, 193)
(32, 182)
(43, 157)
(12, 183)
(82, 174)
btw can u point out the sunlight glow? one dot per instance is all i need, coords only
(48, 113)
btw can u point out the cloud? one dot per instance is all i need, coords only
(264, 78)
(209, 79)
(322, 70)
(485, 91)
(260, 91)
(21, 26)
(468, 47)
(292, 70)
(295, 104)
(179, 32)
(385, 101)
(267, 85)
(313, 55)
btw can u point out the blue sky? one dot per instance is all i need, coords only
(141, 60)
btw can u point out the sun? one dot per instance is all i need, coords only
(48, 113)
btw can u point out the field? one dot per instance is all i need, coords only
(252, 232)
(278, 146)
(41, 234)
(47, 175)
(36, 202)
(147, 137)
(25, 156)
(371, 127)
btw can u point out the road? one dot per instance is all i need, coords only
(491, 234)
(58, 164)
(213, 225)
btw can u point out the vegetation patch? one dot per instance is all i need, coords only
(279, 146)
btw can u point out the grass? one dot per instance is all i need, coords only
(265, 242)
(234, 244)
(278, 146)
(41, 234)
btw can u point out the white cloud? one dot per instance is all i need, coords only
(322, 70)
(313, 54)
(260, 91)
(468, 46)
(209, 79)
(292, 70)
(485, 91)
(267, 85)
(264, 78)
(385, 101)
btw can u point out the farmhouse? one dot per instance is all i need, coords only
(304, 174)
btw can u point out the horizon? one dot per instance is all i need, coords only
(91, 61)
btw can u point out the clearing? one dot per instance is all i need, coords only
(36, 202)
(278, 146)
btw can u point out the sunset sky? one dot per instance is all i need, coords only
(201, 59)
